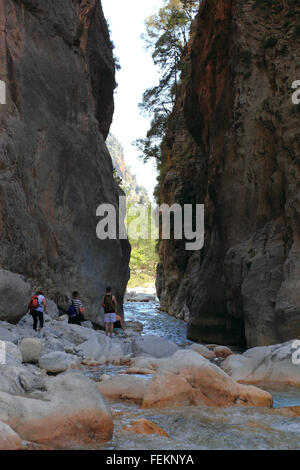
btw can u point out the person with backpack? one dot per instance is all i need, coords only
(37, 307)
(109, 303)
(76, 310)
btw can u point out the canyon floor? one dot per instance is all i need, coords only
(71, 387)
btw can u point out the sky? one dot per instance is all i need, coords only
(126, 20)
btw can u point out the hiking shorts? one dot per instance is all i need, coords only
(110, 318)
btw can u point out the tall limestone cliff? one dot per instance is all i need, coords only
(55, 170)
(236, 149)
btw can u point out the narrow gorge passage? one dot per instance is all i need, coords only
(149, 151)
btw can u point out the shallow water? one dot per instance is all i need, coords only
(197, 428)
(156, 322)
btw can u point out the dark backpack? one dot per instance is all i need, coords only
(109, 306)
(72, 310)
(34, 303)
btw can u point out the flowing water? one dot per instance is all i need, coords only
(197, 428)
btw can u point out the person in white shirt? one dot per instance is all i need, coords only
(38, 311)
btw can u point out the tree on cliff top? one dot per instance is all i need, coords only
(167, 35)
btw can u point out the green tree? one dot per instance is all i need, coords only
(167, 35)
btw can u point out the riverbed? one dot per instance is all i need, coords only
(199, 428)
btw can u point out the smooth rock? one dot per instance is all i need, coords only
(15, 294)
(222, 351)
(9, 440)
(52, 309)
(6, 335)
(31, 350)
(269, 364)
(52, 344)
(154, 346)
(122, 387)
(58, 361)
(21, 380)
(74, 334)
(12, 354)
(73, 413)
(203, 351)
(188, 379)
(101, 348)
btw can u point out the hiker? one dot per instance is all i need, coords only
(119, 324)
(76, 310)
(37, 307)
(109, 303)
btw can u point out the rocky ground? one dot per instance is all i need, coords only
(47, 401)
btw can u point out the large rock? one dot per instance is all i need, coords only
(123, 387)
(7, 335)
(188, 379)
(73, 413)
(232, 151)
(52, 309)
(203, 351)
(271, 364)
(58, 361)
(101, 349)
(74, 334)
(31, 350)
(153, 346)
(15, 294)
(60, 78)
(20, 380)
(12, 354)
(9, 440)
(52, 344)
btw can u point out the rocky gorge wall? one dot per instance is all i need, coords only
(236, 150)
(55, 170)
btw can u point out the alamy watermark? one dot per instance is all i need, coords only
(139, 221)
(2, 92)
(296, 353)
(296, 94)
(2, 353)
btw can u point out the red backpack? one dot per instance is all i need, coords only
(34, 303)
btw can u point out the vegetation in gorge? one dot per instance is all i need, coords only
(143, 254)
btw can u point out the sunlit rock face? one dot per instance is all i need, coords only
(236, 150)
(55, 170)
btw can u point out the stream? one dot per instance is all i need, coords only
(199, 428)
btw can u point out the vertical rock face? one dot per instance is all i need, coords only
(240, 157)
(55, 170)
